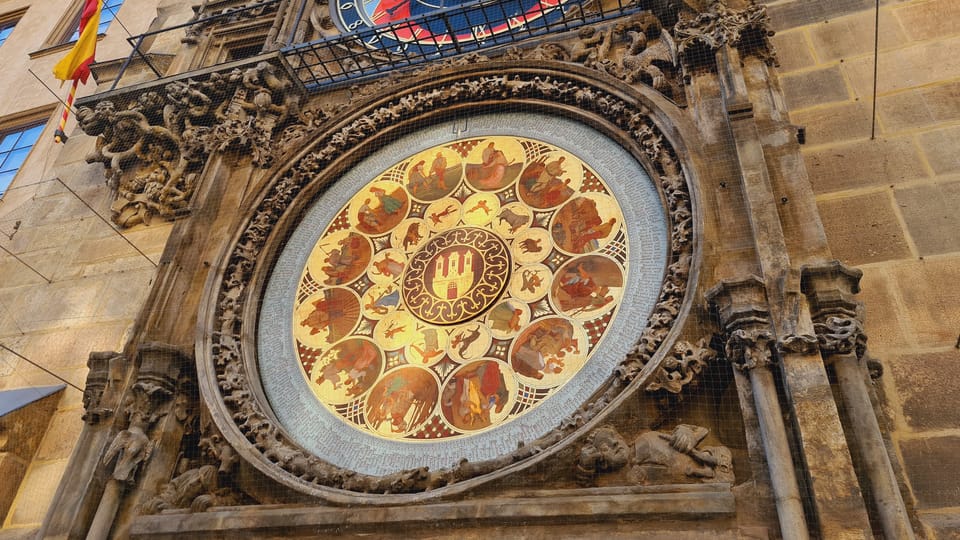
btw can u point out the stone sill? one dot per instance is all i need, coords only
(701, 502)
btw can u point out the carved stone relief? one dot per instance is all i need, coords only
(655, 457)
(227, 357)
(700, 34)
(154, 150)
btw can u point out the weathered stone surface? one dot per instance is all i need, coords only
(881, 324)
(942, 148)
(853, 35)
(63, 431)
(929, 20)
(931, 304)
(12, 468)
(795, 13)
(839, 122)
(702, 503)
(35, 493)
(930, 212)
(814, 87)
(876, 236)
(862, 164)
(929, 402)
(920, 107)
(945, 526)
(899, 69)
(792, 50)
(933, 466)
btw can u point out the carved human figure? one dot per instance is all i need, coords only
(604, 451)
(670, 458)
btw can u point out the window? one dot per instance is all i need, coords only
(5, 29)
(14, 147)
(109, 12)
(7, 22)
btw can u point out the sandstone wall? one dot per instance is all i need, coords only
(889, 206)
(98, 280)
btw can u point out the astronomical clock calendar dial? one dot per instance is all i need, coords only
(462, 27)
(460, 288)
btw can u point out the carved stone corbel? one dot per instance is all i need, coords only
(95, 407)
(837, 315)
(154, 143)
(700, 35)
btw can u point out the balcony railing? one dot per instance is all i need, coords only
(368, 52)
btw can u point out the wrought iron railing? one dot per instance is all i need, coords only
(375, 50)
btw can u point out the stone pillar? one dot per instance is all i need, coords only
(744, 317)
(839, 328)
(834, 490)
(147, 402)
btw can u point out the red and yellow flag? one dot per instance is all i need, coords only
(76, 64)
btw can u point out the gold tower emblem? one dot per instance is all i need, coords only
(456, 275)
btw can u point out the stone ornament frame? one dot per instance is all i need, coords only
(226, 344)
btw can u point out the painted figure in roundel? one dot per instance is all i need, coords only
(494, 164)
(401, 401)
(434, 174)
(342, 257)
(543, 349)
(587, 286)
(477, 395)
(582, 225)
(327, 317)
(347, 370)
(381, 207)
(550, 180)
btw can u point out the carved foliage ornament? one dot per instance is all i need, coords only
(841, 335)
(235, 382)
(750, 348)
(699, 35)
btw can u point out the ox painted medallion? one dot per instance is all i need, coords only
(460, 288)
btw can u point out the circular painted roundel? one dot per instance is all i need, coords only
(461, 27)
(460, 288)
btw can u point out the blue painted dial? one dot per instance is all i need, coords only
(474, 24)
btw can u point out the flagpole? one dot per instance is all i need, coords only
(60, 134)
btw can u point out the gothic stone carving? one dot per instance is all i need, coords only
(144, 405)
(95, 409)
(655, 457)
(841, 335)
(636, 49)
(154, 150)
(229, 368)
(700, 34)
(682, 366)
(206, 15)
(750, 348)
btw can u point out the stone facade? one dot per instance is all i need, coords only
(752, 403)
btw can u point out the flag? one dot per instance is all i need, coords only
(76, 64)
